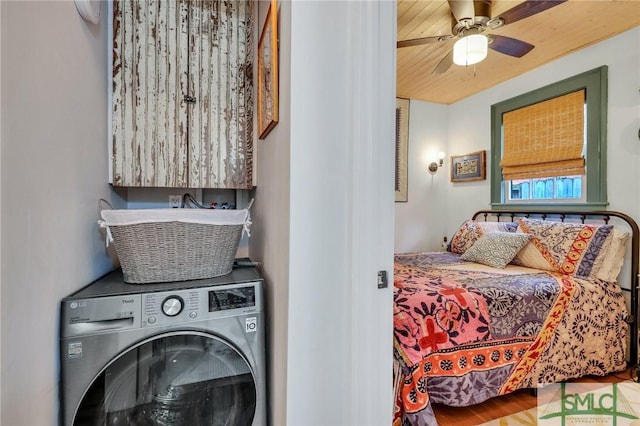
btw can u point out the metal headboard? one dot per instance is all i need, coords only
(604, 216)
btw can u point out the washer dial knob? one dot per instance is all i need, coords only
(172, 306)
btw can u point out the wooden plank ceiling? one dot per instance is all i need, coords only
(556, 32)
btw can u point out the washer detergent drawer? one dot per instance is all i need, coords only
(107, 314)
(177, 378)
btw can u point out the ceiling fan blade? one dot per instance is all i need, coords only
(526, 9)
(423, 40)
(509, 46)
(462, 9)
(444, 64)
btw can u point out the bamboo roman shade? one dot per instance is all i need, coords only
(544, 139)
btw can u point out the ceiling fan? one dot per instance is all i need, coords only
(469, 20)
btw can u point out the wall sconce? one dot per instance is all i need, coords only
(433, 166)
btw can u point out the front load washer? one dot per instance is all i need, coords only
(183, 353)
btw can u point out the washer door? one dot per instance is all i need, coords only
(180, 378)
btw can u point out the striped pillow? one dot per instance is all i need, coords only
(565, 247)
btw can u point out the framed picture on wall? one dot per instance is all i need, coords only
(468, 167)
(268, 73)
(402, 149)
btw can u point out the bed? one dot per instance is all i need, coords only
(518, 300)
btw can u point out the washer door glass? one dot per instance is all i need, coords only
(174, 379)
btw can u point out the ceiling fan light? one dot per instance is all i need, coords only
(470, 50)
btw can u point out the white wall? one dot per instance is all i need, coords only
(468, 129)
(270, 233)
(53, 171)
(420, 224)
(323, 221)
(1, 133)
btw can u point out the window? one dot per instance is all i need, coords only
(559, 189)
(584, 182)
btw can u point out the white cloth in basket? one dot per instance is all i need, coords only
(204, 216)
(121, 217)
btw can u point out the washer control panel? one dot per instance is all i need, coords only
(170, 307)
(232, 298)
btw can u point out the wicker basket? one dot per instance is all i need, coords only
(162, 245)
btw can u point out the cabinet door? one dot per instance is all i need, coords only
(221, 79)
(182, 94)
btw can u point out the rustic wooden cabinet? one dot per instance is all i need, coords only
(182, 101)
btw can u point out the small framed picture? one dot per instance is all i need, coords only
(268, 73)
(402, 149)
(468, 167)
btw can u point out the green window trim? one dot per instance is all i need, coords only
(595, 83)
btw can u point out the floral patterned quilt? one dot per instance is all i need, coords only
(464, 333)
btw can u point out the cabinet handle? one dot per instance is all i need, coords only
(190, 99)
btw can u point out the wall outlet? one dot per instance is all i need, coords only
(175, 201)
(443, 244)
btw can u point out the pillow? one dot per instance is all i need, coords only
(565, 247)
(609, 263)
(496, 249)
(470, 231)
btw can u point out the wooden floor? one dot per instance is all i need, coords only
(504, 405)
